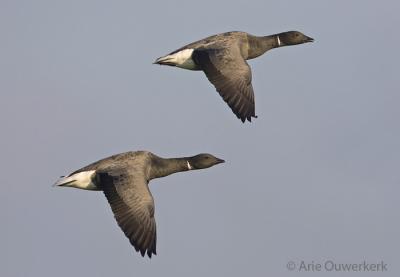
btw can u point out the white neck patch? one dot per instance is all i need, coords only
(188, 165)
(279, 40)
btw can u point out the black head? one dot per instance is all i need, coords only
(294, 37)
(204, 161)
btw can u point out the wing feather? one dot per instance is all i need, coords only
(133, 207)
(226, 69)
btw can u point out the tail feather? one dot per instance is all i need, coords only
(80, 180)
(64, 181)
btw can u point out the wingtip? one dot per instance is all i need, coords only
(145, 251)
(252, 116)
(151, 253)
(249, 118)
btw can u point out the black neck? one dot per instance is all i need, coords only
(164, 167)
(260, 45)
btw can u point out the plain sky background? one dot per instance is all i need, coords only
(315, 177)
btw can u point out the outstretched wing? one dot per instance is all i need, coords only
(133, 207)
(231, 75)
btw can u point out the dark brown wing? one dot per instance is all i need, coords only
(133, 207)
(231, 75)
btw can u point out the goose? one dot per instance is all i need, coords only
(223, 57)
(124, 180)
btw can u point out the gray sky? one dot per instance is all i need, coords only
(316, 177)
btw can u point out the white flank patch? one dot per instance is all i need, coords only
(81, 180)
(182, 59)
(279, 40)
(188, 165)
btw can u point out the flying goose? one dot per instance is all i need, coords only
(223, 57)
(124, 180)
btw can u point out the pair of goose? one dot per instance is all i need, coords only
(124, 177)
